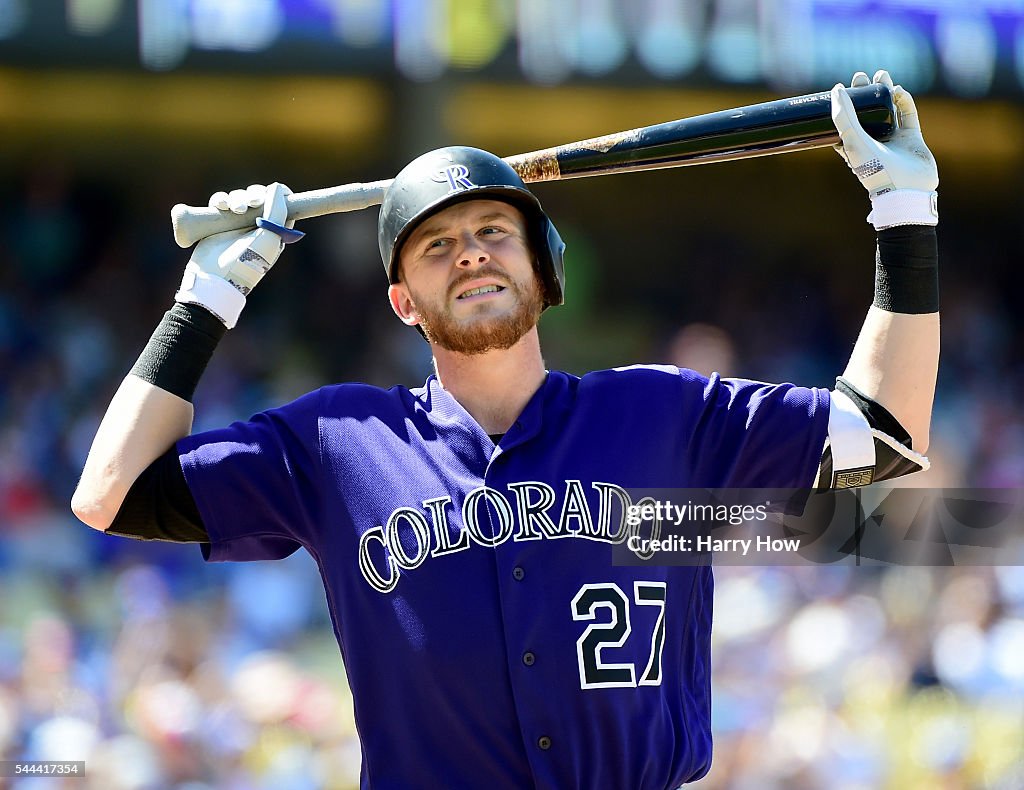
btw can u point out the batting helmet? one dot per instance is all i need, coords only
(441, 178)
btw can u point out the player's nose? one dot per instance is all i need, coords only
(471, 252)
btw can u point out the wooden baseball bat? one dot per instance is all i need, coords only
(775, 127)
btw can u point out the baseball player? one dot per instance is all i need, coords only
(463, 529)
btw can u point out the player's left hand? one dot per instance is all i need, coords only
(900, 175)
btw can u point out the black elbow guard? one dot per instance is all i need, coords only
(866, 444)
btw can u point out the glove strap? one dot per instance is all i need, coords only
(214, 293)
(288, 235)
(904, 207)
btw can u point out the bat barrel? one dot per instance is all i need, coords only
(779, 126)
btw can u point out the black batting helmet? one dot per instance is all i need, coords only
(451, 175)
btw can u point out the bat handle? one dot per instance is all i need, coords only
(191, 223)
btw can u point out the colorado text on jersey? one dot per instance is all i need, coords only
(489, 519)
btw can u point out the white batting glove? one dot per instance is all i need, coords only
(225, 267)
(900, 175)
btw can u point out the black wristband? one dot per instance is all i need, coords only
(179, 350)
(907, 270)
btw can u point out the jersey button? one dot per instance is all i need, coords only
(518, 573)
(544, 742)
(529, 658)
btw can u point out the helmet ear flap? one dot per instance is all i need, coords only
(553, 269)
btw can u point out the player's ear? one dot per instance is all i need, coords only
(403, 304)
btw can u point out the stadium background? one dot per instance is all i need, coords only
(161, 671)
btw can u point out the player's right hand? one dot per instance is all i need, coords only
(225, 267)
(900, 175)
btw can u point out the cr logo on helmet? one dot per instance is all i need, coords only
(457, 177)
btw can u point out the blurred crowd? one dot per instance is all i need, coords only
(161, 671)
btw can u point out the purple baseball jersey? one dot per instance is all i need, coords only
(488, 639)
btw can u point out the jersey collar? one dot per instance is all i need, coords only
(549, 402)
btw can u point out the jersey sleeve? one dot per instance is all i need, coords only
(748, 434)
(256, 483)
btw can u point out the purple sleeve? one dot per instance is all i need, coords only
(755, 435)
(256, 483)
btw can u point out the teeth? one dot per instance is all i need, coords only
(484, 289)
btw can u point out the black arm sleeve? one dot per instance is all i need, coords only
(159, 506)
